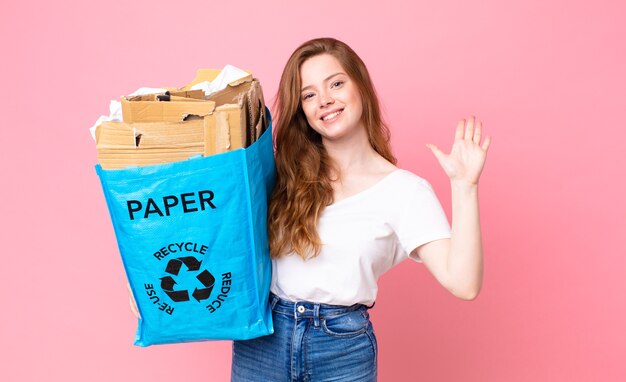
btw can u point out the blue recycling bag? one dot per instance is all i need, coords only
(193, 241)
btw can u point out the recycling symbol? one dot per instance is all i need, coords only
(173, 267)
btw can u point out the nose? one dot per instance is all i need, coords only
(326, 99)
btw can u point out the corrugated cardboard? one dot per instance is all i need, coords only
(149, 109)
(139, 144)
(155, 131)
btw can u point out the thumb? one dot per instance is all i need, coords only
(438, 153)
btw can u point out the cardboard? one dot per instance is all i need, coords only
(169, 127)
(148, 109)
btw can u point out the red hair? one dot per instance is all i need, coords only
(303, 167)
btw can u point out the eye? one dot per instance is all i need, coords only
(336, 84)
(307, 96)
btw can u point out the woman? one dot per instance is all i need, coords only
(342, 214)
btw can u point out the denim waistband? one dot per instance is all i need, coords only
(306, 309)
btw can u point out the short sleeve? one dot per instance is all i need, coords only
(422, 219)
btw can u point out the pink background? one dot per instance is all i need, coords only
(546, 77)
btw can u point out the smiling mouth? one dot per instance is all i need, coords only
(331, 115)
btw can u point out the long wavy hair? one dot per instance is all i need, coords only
(303, 167)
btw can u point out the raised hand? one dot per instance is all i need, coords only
(467, 157)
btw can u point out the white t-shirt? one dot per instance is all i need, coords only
(363, 236)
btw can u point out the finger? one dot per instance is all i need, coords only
(133, 307)
(438, 153)
(478, 131)
(460, 128)
(130, 291)
(131, 302)
(469, 128)
(486, 143)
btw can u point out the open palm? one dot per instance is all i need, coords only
(467, 157)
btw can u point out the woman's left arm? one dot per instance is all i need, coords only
(457, 263)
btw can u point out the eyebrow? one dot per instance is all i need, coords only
(325, 79)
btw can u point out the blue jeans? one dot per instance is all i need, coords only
(311, 343)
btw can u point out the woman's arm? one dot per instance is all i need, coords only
(457, 263)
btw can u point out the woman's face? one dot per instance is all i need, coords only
(330, 99)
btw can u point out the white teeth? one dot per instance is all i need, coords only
(332, 115)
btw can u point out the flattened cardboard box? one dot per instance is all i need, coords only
(141, 144)
(176, 107)
(155, 132)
